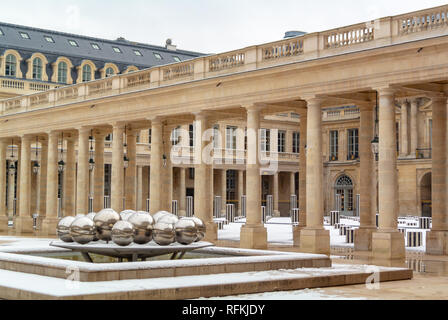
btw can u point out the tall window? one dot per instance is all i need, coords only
(110, 72)
(37, 69)
(11, 65)
(86, 73)
(265, 140)
(282, 141)
(334, 145)
(191, 135)
(231, 185)
(231, 138)
(62, 72)
(296, 142)
(397, 136)
(353, 144)
(245, 138)
(175, 136)
(149, 136)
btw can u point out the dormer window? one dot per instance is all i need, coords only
(49, 39)
(24, 35)
(96, 46)
(138, 53)
(176, 58)
(73, 43)
(116, 49)
(37, 69)
(158, 56)
(1, 32)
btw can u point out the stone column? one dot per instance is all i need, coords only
(3, 173)
(223, 191)
(131, 171)
(156, 166)
(145, 186)
(51, 218)
(240, 190)
(253, 233)
(69, 194)
(43, 178)
(363, 235)
(275, 194)
(182, 192)
(314, 238)
(19, 157)
(11, 190)
(117, 167)
(140, 206)
(302, 178)
(203, 178)
(404, 129)
(414, 127)
(24, 222)
(387, 242)
(82, 184)
(98, 175)
(437, 239)
(292, 183)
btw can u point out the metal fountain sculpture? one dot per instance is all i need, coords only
(135, 234)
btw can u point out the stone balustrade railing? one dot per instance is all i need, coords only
(372, 34)
(346, 114)
(25, 85)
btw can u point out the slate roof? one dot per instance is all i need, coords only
(10, 38)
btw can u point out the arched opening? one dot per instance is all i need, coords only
(344, 191)
(426, 195)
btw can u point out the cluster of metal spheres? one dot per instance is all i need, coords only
(131, 226)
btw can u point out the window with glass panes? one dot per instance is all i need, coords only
(245, 138)
(109, 72)
(231, 186)
(86, 73)
(149, 135)
(231, 138)
(37, 69)
(282, 141)
(11, 65)
(191, 135)
(265, 140)
(353, 144)
(175, 136)
(62, 72)
(296, 142)
(334, 145)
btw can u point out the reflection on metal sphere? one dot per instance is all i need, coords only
(91, 215)
(63, 229)
(159, 215)
(200, 225)
(144, 212)
(169, 218)
(126, 214)
(104, 222)
(164, 234)
(143, 226)
(82, 230)
(123, 233)
(186, 231)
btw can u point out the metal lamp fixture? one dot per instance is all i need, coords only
(125, 145)
(61, 163)
(376, 140)
(36, 165)
(12, 165)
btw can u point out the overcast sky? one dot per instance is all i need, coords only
(208, 26)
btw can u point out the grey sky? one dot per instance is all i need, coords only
(208, 26)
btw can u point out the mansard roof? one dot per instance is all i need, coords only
(36, 41)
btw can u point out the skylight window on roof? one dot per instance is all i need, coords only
(95, 46)
(116, 49)
(176, 58)
(1, 32)
(24, 35)
(49, 39)
(138, 53)
(73, 43)
(158, 56)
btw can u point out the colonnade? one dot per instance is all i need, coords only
(385, 242)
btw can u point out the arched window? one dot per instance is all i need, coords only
(11, 65)
(62, 72)
(344, 201)
(37, 69)
(110, 72)
(86, 73)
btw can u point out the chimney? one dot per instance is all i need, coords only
(169, 45)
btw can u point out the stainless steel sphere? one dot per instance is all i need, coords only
(123, 233)
(164, 234)
(200, 225)
(104, 222)
(186, 231)
(144, 212)
(126, 214)
(63, 229)
(82, 230)
(168, 218)
(143, 227)
(91, 215)
(159, 215)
